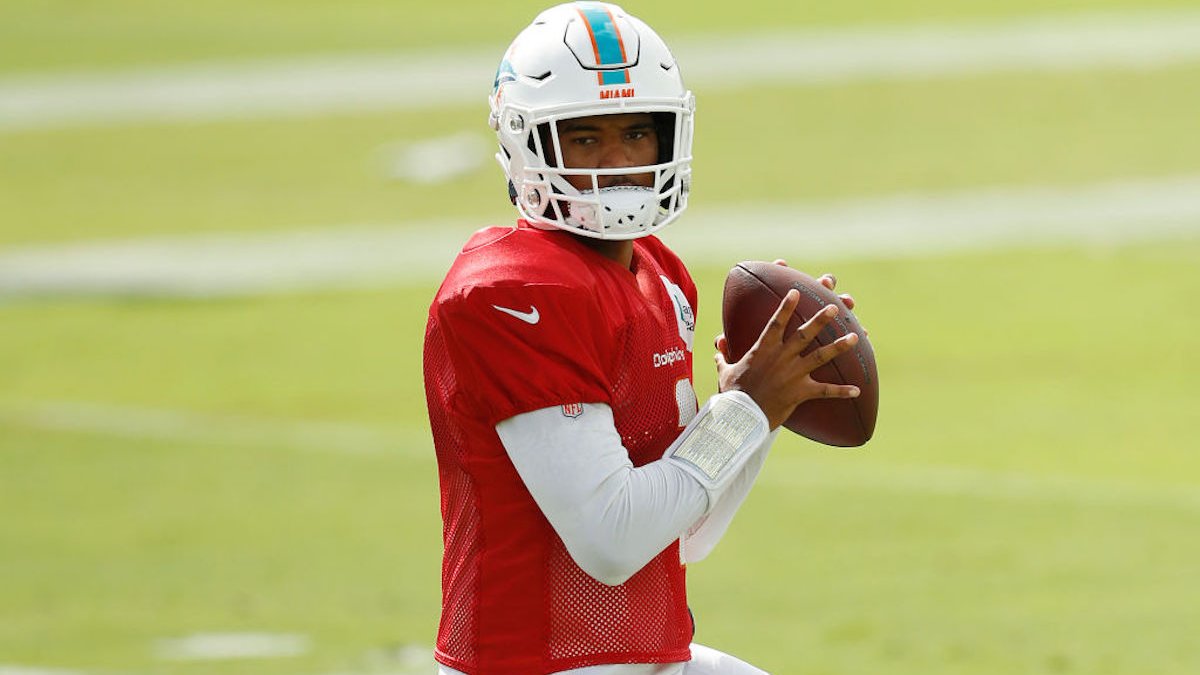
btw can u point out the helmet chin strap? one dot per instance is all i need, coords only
(617, 210)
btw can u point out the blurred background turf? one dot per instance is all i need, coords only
(261, 464)
(64, 34)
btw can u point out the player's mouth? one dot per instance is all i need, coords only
(637, 180)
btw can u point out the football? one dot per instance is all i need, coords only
(753, 291)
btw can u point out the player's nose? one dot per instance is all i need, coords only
(615, 155)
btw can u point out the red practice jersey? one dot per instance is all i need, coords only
(527, 319)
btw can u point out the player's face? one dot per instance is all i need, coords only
(609, 142)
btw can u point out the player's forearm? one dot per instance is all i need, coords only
(703, 536)
(612, 517)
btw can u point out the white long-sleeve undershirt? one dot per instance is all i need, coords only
(614, 518)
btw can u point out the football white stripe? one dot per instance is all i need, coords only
(323, 85)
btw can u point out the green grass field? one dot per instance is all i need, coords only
(261, 464)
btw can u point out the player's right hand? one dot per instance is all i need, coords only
(774, 373)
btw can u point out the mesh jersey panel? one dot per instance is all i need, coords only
(513, 599)
(460, 521)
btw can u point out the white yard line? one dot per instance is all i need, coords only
(897, 226)
(9, 669)
(207, 265)
(879, 227)
(968, 482)
(408, 659)
(181, 426)
(225, 646)
(427, 80)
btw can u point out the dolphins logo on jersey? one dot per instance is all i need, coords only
(685, 316)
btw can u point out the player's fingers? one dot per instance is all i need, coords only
(847, 300)
(826, 390)
(811, 328)
(780, 261)
(773, 331)
(720, 360)
(829, 352)
(721, 345)
(722, 370)
(828, 281)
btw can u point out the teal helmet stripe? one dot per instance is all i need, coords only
(607, 42)
(614, 77)
(606, 39)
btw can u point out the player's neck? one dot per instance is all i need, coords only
(619, 251)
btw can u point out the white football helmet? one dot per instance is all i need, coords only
(576, 60)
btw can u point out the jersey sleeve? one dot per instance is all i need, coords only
(523, 348)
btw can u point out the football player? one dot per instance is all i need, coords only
(579, 474)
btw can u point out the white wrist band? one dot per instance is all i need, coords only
(717, 443)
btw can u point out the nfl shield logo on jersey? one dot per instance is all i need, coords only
(572, 410)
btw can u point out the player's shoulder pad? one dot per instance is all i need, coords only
(521, 269)
(667, 259)
(523, 256)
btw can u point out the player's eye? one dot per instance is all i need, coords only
(641, 135)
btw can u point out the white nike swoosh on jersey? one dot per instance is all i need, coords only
(531, 317)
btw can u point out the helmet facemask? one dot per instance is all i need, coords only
(589, 201)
